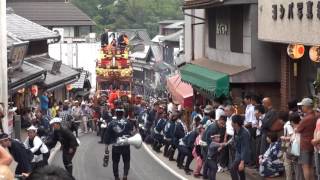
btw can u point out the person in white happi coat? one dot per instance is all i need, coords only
(37, 147)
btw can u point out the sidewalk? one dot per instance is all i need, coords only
(171, 166)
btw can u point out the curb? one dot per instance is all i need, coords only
(173, 172)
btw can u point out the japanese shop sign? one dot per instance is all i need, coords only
(289, 21)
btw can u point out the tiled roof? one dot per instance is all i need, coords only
(175, 37)
(66, 73)
(141, 54)
(26, 30)
(156, 39)
(51, 13)
(176, 25)
(11, 40)
(28, 75)
(136, 33)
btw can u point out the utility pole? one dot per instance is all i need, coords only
(3, 64)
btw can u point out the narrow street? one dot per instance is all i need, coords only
(88, 163)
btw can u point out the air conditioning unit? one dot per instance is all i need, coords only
(59, 31)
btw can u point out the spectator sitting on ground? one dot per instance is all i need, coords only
(271, 164)
(50, 173)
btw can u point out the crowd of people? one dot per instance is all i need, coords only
(48, 124)
(220, 138)
(216, 136)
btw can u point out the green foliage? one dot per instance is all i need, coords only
(133, 14)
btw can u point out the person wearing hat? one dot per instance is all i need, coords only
(67, 140)
(207, 110)
(20, 154)
(118, 127)
(37, 147)
(306, 129)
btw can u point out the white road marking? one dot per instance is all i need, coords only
(162, 163)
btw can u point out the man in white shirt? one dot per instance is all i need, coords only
(250, 122)
(250, 118)
(229, 112)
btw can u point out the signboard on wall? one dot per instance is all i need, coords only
(289, 21)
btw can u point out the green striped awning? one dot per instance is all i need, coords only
(212, 82)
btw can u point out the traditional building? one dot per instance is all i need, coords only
(57, 15)
(223, 52)
(292, 27)
(30, 68)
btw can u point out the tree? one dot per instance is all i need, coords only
(133, 14)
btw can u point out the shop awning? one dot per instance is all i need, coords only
(181, 92)
(237, 74)
(202, 4)
(58, 74)
(212, 82)
(28, 75)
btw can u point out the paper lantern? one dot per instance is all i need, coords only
(34, 90)
(314, 54)
(295, 51)
(69, 87)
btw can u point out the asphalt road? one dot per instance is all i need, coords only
(88, 163)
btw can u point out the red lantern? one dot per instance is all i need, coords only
(295, 51)
(34, 90)
(69, 87)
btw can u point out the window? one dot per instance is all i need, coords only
(212, 28)
(68, 32)
(236, 29)
(84, 31)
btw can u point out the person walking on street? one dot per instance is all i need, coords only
(84, 117)
(242, 144)
(68, 142)
(37, 147)
(119, 127)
